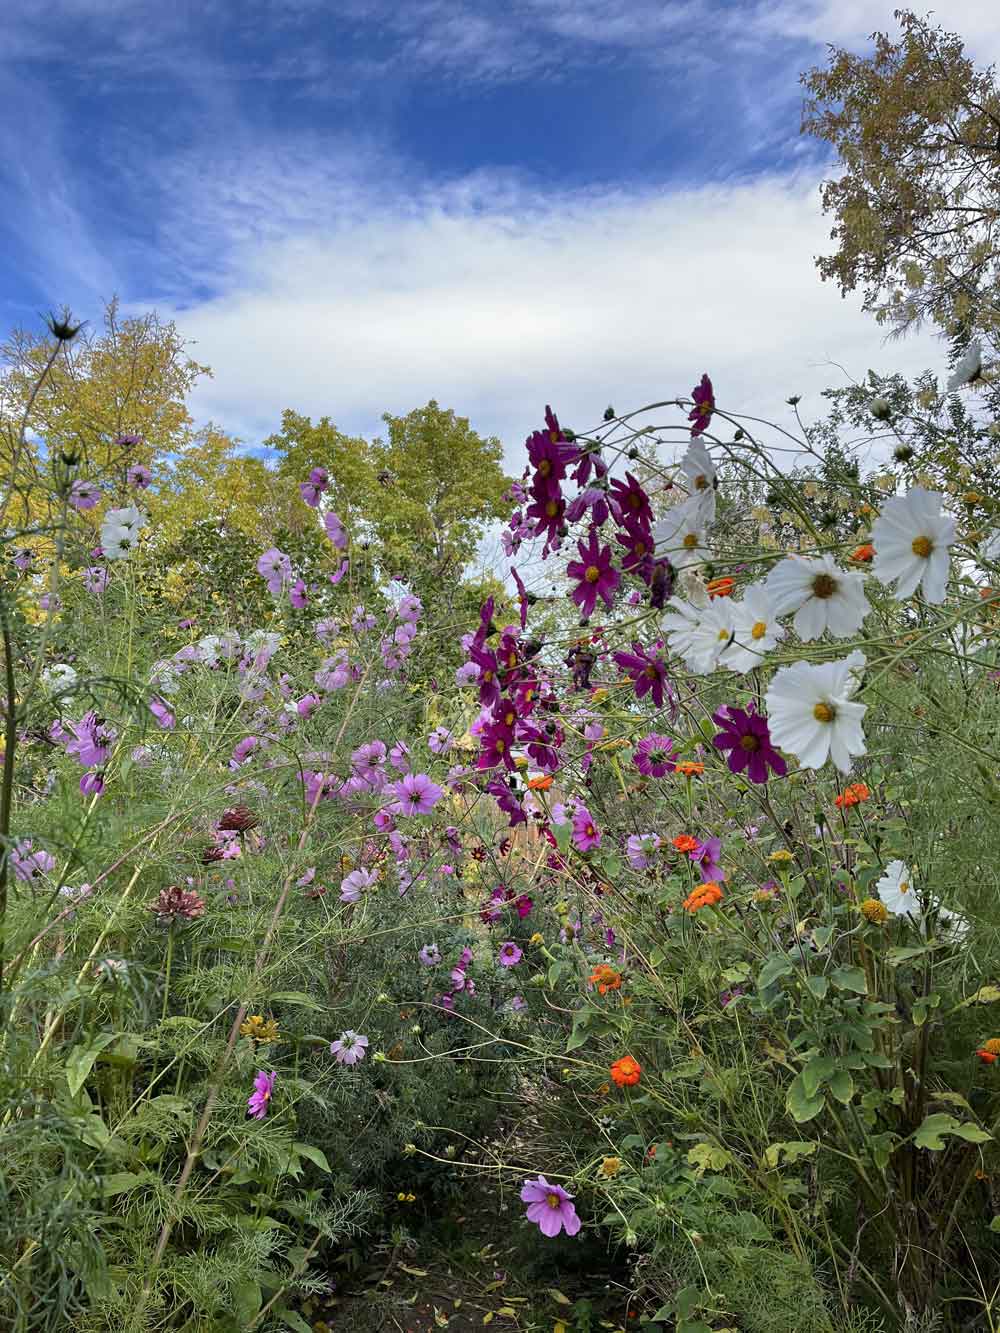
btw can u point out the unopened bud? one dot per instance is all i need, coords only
(880, 409)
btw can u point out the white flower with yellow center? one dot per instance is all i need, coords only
(897, 891)
(811, 713)
(680, 533)
(756, 630)
(699, 635)
(912, 538)
(700, 476)
(822, 595)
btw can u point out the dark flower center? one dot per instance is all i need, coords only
(750, 742)
(824, 585)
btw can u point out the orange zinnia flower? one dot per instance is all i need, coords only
(541, 784)
(685, 843)
(688, 768)
(705, 895)
(989, 1051)
(865, 552)
(986, 1056)
(626, 1072)
(851, 795)
(605, 978)
(720, 587)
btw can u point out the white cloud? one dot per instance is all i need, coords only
(496, 308)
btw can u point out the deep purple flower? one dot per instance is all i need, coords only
(259, 1099)
(510, 954)
(489, 674)
(549, 512)
(92, 784)
(639, 545)
(415, 795)
(139, 476)
(595, 573)
(632, 500)
(704, 405)
(652, 756)
(550, 1207)
(746, 736)
(507, 802)
(648, 670)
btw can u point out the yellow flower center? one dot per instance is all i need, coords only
(824, 712)
(723, 634)
(552, 508)
(922, 546)
(824, 586)
(701, 483)
(553, 1200)
(690, 541)
(545, 467)
(904, 886)
(759, 629)
(592, 574)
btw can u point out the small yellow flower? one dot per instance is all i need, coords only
(611, 1166)
(874, 911)
(781, 855)
(260, 1029)
(971, 498)
(520, 761)
(537, 938)
(992, 1045)
(599, 695)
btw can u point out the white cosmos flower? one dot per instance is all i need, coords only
(700, 476)
(59, 677)
(897, 891)
(811, 715)
(911, 538)
(699, 635)
(680, 533)
(967, 369)
(822, 595)
(756, 630)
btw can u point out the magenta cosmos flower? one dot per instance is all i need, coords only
(648, 670)
(746, 736)
(652, 756)
(259, 1099)
(349, 1048)
(415, 795)
(595, 574)
(704, 405)
(549, 1207)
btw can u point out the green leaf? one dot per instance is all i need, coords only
(776, 966)
(800, 1107)
(995, 1224)
(818, 986)
(708, 1157)
(931, 1132)
(292, 1320)
(850, 978)
(792, 1152)
(896, 956)
(314, 1155)
(296, 997)
(120, 1182)
(984, 995)
(816, 1073)
(81, 1059)
(842, 1086)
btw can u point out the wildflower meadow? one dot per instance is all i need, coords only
(606, 939)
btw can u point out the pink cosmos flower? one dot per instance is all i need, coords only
(84, 495)
(510, 954)
(550, 1207)
(353, 885)
(259, 1099)
(652, 756)
(335, 530)
(139, 476)
(416, 794)
(30, 863)
(586, 834)
(92, 784)
(298, 595)
(349, 1048)
(164, 717)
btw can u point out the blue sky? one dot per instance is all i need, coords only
(352, 206)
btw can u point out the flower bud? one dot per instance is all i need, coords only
(880, 409)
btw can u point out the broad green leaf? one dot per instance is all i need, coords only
(931, 1132)
(81, 1059)
(984, 995)
(312, 1154)
(842, 1086)
(708, 1157)
(792, 1152)
(818, 986)
(800, 1107)
(816, 1073)
(120, 1182)
(296, 997)
(850, 978)
(775, 967)
(292, 1320)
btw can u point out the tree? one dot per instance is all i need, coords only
(917, 130)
